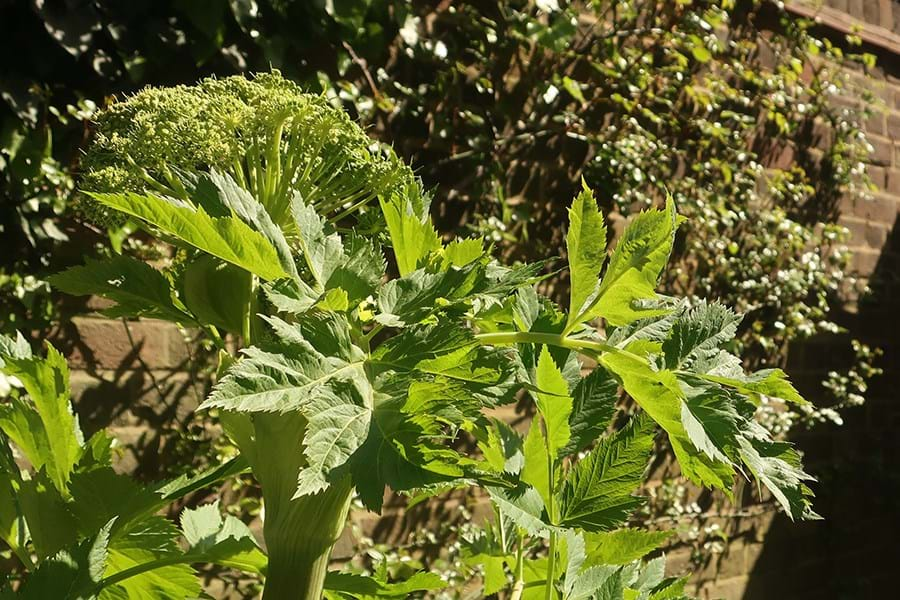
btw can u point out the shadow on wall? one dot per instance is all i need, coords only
(851, 555)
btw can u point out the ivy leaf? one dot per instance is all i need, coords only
(634, 268)
(227, 542)
(553, 402)
(622, 546)
(586, 248)
(322, 251)
(412, 234)
(45, 429)
(597, 493)
(227, 238)
(593, 407)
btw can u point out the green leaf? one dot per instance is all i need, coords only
(461, 252)
(70, 574)
(659, 394)
(154, 539)
(553, 402)
(634, 268)
(137, 288)
(361, 272)
(768, 382)
(216, 293)
(586, 247)
(323, 251)
(363, 587)
(536, 471)
(100, 495)
(227, 238)
(46, 430)
(598, 583)
(419, 295)
(227, 542)
(252, 212)
(524, 510)
(50, 522)
(698, 334)
(593, 407)
(777, 466)
(597, 494)
(14, 348)
(402, 452)
(412, 234)
(338, 426)
(278, 382)
(623, 546)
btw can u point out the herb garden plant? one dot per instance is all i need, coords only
(368, 347)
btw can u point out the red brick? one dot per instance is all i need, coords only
(876, 122)
(104, 344)
(893, 125)
(882, 150)
(864, 261)
(878, 175)
(893, 182)
(880, 207)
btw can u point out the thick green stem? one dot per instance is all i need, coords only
(589, 347)
(299, 533)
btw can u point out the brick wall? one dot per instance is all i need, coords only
(147, 386)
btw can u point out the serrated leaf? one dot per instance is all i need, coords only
(70, 574)
(659, 394)
(598, 583)
(420, 294)
(398, 453)
(323, 251)
(101, 494)
(412, 234)
(252, 212)
(622, 546)
(597, 494)
(153, 539)
(222, 541)
(216, 292)
(338, 426)
(536, 471)
(50, 522)
(698, 334)
(767, 382)
(634, 268)
(553, 402)
(14, 348)
(524, 510)
(363, 587)
(227, 238)
(593, 407)
(586, 248)
(777, 466)
(46, 429)
(361, 271)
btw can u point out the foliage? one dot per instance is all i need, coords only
(355, 377)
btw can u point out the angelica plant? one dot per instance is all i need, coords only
(355, 377)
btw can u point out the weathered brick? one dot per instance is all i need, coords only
(882, 151)
(728, 589)
(865, 232)
(876, 123)
(104, 344)
(893, 125)
(892, 184)
(864, 261)
(880, 207)
(878, 175)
